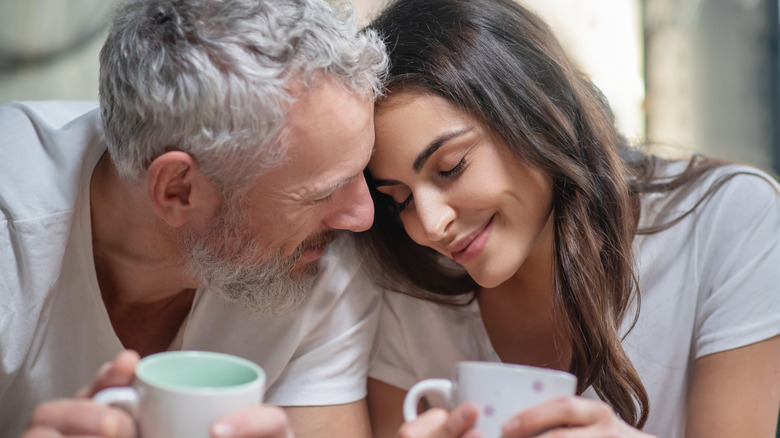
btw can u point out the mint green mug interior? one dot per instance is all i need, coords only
(197, 370)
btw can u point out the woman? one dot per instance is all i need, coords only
(494, 153)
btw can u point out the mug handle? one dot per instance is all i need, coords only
(123, 397)
(422, 388)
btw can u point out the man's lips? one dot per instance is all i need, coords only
(311, 254)
(313, 248)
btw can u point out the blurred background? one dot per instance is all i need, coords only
(692, 75)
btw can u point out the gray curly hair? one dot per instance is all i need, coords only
(213, 78)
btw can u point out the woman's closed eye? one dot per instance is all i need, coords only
(401, 206)
(392, 195)
(454, 171)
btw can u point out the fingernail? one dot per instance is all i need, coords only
(467, 415)
(510, 426)
(109, 426)
(222, 430)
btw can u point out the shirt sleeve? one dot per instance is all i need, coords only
(390, 358)
(739, 303)
(330, 364)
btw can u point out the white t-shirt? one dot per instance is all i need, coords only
(54, 329)
(708, 284)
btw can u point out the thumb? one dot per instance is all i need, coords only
(120, 372)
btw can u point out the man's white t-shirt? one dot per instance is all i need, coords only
(709, 284)
(54, 329)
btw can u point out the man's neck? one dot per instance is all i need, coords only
(138, 262)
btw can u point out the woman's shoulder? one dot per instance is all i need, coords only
(732, 190)
(736, 176)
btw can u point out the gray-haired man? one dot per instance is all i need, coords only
(192, 211)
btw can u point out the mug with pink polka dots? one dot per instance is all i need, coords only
(499, 390)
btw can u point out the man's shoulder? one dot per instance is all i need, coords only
(55, 113)
(45, 146)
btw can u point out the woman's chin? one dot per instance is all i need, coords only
(488, 280)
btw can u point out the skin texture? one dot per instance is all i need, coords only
(492, 185)
(144, 282)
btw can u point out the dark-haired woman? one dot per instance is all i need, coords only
(521, 228)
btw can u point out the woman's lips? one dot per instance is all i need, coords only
(472, 245)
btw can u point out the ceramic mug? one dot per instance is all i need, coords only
(181, 393)
(499, 390)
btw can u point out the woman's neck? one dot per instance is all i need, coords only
(520, 316)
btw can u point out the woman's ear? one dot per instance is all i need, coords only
(177, 189)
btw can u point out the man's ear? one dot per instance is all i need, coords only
(177, 188)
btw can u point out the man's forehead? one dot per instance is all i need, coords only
(328, 141)
(318, 104)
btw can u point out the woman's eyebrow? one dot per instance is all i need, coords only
(438, 142)
(385, 182)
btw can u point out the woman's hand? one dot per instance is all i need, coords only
(438, 423)
(574, 417)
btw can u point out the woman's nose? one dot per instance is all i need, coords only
(435, 214)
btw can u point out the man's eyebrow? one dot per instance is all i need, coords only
(438, 142)
(326, 191)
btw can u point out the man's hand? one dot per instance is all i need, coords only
(264, 421)
(80, 416)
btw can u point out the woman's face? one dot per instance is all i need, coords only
(460, 189)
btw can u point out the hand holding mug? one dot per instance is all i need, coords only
(580, 416)
(183, 393)
(440, 423)
(80, 416)
(499, 391)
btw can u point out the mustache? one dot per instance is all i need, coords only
(319, 240)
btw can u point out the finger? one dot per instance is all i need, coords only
(562, 412)
(41, 432)
(263, 421)
(438, 423)
(462, 419)
(120, 372)
(81, 417)
(45, 432)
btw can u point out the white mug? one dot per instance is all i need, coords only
(499, 390)
(181, 393)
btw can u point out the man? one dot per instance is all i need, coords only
(192, 211)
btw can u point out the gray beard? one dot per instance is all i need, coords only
(225, 261)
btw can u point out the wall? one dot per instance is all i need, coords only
(48, 48)
(711, 81)
(712, 76)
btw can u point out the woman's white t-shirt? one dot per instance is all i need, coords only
(708, 284)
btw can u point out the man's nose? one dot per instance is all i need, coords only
(353, 209)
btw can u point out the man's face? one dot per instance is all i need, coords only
(263, 249)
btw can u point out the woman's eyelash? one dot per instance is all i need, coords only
(448, 174)
(445, 174)
(401, 206)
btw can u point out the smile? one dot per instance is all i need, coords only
(468, 248)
